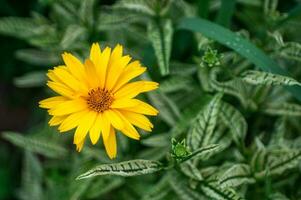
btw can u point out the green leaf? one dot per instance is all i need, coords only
(181, 188)
(42, 146)
(213, 191)
(190, 170)
(265, 78)
(204, 124)
(139, 6)
(103, 186)
(234, 87)
(17, 27)
(159, 190)
(282, 161)
(205, 152)
(127, 168)
(160, 140)
(237, 175)
(235, 121)
(238, 44)
(31, 79)
(160, 34)
(174, 84)
(279, 161)
(169, 112)
(71, 35)
(111, 21)
(290, 51)
(225, 12)
(282, 109)
(32, 174)
(86, 11)
(37, 57)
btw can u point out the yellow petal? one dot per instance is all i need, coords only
(114, 118)
(95, 53)
(52, 101)
(74, 65)
(143, 108)
(80, 145)
(116, 54)
(72, 121)
(138, 120)
(131, 90)
(69, 107)
(53, 77)
(105, 126)
(84, 126)
(128, 129)
(115, 70)
(123, 103)
(110, 144)
(54, 121)
(96, 129)
(101, 68)
(91, 74)
(69, 80)
(61, 89)
(133, 70)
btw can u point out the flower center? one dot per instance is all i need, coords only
(99, 99)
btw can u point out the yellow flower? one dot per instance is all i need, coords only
(96, 97)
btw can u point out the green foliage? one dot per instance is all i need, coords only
(225, 129)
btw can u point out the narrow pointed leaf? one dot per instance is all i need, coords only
(127, 168)
(160, 34)
(265, 78)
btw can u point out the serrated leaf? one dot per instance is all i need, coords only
(282, 109)
(160, 35)
(235, 121)
(204, 124)
(265, 78)
(214, 192)
(41, 146)
(127, 168)
(237, 175)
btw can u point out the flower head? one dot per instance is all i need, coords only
(96, 97)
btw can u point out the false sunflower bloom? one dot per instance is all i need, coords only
(96, 97)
